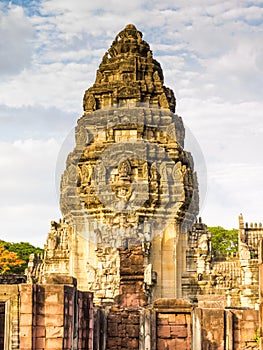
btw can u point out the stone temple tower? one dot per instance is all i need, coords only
(129, 185)
(128, 266)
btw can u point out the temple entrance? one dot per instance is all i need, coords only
(2, 325)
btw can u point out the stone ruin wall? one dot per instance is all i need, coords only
(48, 316)
(129, 324)
(235, 277)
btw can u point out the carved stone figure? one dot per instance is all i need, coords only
(154, 172)
(145, 171)
(203, 243)
(124, 169)
(123, 192)
(87, 172)
(244, 252)
(89, 102)
(51, 242)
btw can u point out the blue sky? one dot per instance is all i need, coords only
(211, 53)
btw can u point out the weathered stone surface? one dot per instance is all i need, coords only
(128, 74)
(123, 329)
(50, 318)
(12, 279)
(173, 328)
(212, 301)
(173, 304)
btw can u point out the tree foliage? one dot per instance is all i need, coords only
(223, 241)
(9, 261)
(19, 252)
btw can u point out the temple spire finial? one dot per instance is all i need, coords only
(241, 221)
(128, 74)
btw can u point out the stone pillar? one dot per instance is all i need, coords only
(196, 332)
(180, 262)
(173, 262)
(100, 329)
(85, 320)
(26, 316)
(229, 330)
(168, 263)
(156, 253)
(123, 321)
(147, 339)
(249, 283)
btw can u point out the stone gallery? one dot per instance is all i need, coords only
(130, 266)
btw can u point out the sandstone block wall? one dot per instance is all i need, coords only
(123, 330)
(57, 317)
(225, 328)
(54, 316)
(173, 324)
(245, 328)
(212, 328)
(173, 331)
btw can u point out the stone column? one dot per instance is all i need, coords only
(196, 332)
(229, 330)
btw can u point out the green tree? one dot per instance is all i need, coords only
(223, 241)
(23, 251)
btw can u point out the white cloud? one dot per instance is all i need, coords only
(231, 138)
(27, 187)
(246, 13)
(50, 85)
(28, 222)
(211, 54)
(34, 122)
(16, 41)
(234, 189)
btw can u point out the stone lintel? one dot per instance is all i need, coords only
(214, 301)
(172, 305)
(60, 279)
(132, 278)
